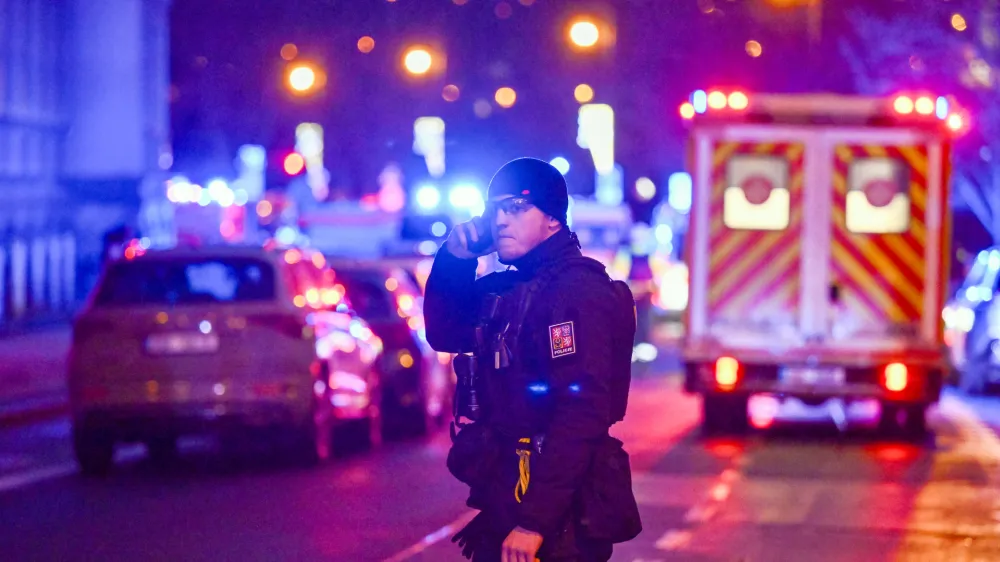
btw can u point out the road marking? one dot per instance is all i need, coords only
(19, 480)
(15, 480)
(435, 537)
(673, 540)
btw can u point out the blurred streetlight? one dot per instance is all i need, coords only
(417, 60)
(366, 44)
(289, 51)
(505, 97)
(958, 22)
(584, 33)
(583, 93)
(450, 92)
(302, 78)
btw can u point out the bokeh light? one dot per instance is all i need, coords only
(417, 61)
(583, 93)
(505, 97)
(584, 34)
(450, 92)
(754, 48)
(302, 78)
(289, 51)
(503, 10)
(716, 100)
(958, 22)
(366, 44)
(294, 163)
(482, 108)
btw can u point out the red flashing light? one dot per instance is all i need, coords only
(903, 104)
(955, 122)
(294, 163)
(896, 377)
(924, 106)
(687, 110)
(738, 101)
(717, 100)
(727, 370)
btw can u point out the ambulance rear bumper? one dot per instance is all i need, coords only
(923, 383)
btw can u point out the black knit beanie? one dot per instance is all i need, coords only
(535, 180)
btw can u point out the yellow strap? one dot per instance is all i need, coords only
(524, 470)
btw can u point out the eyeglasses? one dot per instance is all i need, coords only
(510, 206)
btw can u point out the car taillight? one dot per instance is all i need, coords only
(727, 372)
(285, 324)
(896, 377)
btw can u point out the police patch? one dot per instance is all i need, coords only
(562, 340)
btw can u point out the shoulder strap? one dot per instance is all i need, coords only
(538, 283)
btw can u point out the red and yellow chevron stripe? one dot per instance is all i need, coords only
(755, 269)
(881, 275)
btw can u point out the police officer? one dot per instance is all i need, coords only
(554, 360)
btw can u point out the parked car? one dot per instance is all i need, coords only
(972, 325)
(418, 381)
(220, 339)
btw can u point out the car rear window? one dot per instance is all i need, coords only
(209, 280)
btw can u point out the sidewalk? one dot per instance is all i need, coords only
(33, 374)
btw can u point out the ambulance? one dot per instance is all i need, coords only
(817, 256)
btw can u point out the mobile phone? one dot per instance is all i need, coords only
(485, 236)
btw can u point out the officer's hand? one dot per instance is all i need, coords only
(521, 545)
(462, 237)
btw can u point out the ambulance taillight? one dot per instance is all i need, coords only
(896, 377)
(727, 372)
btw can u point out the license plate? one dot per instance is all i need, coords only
(175, 343)
(830, 376)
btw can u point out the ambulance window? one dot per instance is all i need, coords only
(756, 195)
(878, 196)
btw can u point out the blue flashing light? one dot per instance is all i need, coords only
(699, 99)
(679, 188)
(428, 197)
(941, 107)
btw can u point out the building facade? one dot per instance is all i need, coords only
(84, 129)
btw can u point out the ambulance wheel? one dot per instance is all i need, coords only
(724, 414)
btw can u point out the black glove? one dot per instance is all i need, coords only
(471, 536)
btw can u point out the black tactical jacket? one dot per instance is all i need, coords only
(561, 382)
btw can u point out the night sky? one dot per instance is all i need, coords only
(227, 76)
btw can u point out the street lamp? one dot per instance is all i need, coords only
(417, 61)
(584, 33)
(304, 78)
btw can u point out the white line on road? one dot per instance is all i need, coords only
(18, 480)
(21, 479)
(673, 540)
(436, 536)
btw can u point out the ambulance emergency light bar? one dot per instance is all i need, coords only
(829, 108)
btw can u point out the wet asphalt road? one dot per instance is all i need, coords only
(785, 494)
